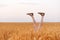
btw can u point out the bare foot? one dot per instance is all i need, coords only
(31, 14)
(41, 13)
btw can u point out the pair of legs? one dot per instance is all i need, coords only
(34, 22)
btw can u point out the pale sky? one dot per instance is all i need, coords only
(16, 10)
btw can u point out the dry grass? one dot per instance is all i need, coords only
(24, 31)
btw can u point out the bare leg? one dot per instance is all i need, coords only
(35, 26)
(34, 22)
(41, 23)
(42, 16)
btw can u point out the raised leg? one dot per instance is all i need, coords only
(41, 23)
(42, 16)
(34, 22)
(35, 26)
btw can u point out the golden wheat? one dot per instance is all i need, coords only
(24, 31)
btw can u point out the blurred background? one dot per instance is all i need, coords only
(16, 10)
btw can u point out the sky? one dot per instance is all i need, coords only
(16, 10)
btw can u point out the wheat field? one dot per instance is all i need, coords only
(25, 31)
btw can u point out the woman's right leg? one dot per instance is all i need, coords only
(34, 22)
